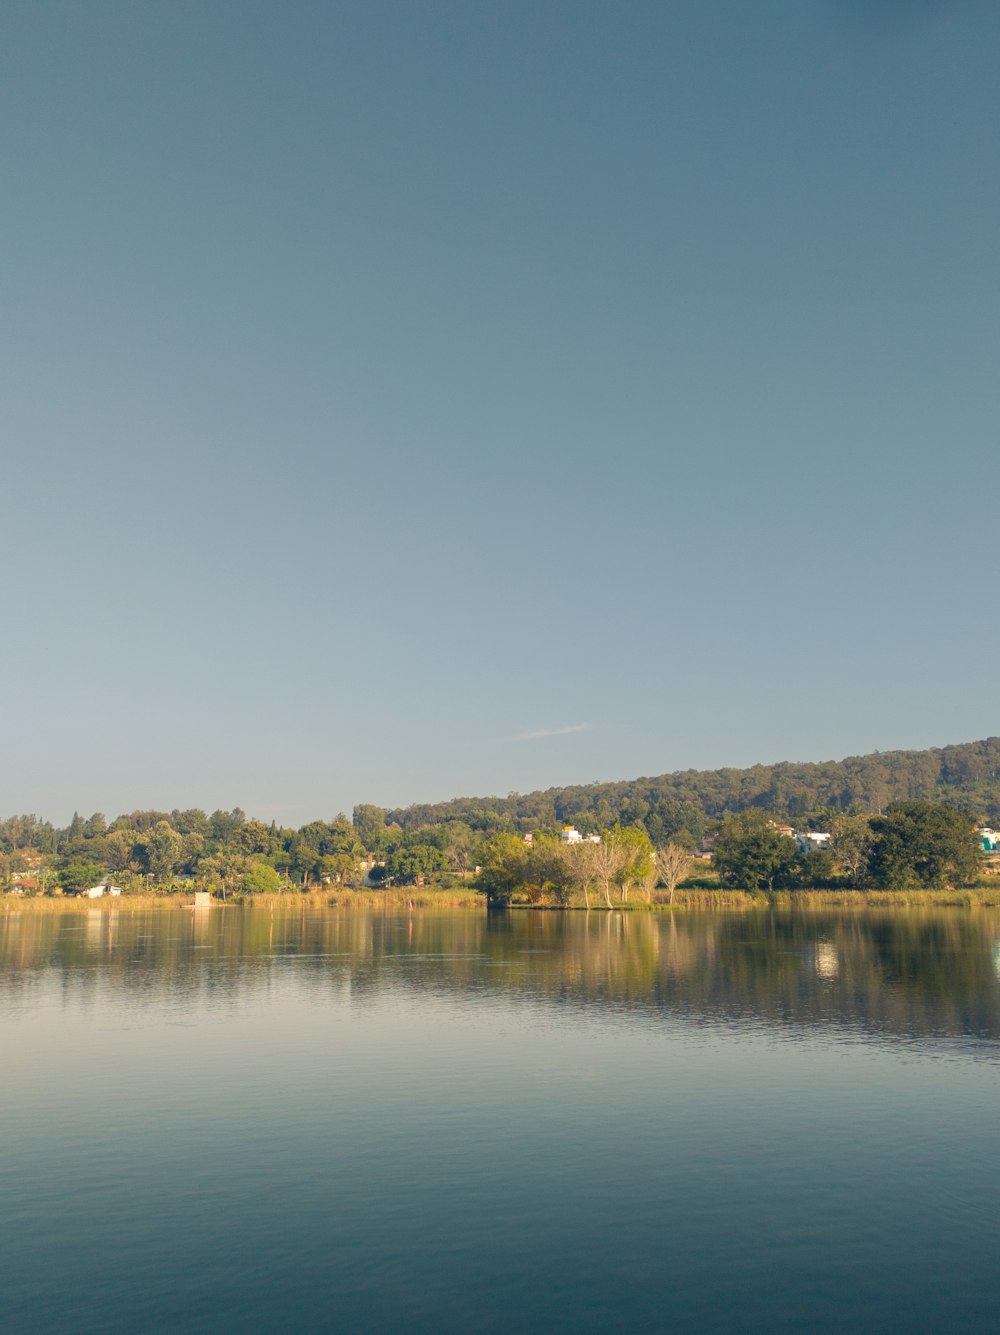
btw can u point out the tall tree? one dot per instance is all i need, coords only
(369, 826)
(750, 851)
(923, 843)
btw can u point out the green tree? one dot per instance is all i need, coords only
(850, 846)
(260, 878)
(369, 826)
(192, 821)
(548, 870)
(923, 843)
(635, 857)
(163, 850)
(120, 845)
(337, 868)
(411, 866)
(78, 876)
(224, 824)
(750, 851)
(503, 869)
(253, 837)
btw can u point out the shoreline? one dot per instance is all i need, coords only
(432, 899)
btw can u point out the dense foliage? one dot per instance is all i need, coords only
(902, 818)
(685, 804)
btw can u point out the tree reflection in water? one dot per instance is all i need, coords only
(905, 972)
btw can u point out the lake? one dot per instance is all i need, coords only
(239, 1120)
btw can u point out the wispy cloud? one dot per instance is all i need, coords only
(549, 732)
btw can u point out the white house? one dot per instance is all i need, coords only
(812, 841)
(571, 835)
(98, 891)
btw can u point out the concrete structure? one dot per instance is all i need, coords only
(98, 891)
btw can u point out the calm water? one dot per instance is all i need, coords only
(235, 1121)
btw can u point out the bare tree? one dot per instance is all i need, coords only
(605, 861)
(673, 864)
(582, 870)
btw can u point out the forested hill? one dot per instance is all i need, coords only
(968, 774)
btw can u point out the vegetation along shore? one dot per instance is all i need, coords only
(884, 829)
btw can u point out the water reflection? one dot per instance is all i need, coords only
(906, 973)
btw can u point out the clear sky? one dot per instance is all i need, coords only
(407, 400)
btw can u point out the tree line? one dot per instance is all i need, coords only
(921, 844)
(229, 852)
(862, 802)
(685, 805)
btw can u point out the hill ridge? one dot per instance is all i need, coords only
(967, 773)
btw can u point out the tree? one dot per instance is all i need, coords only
(163, 850)
(369, 826)
(673, 863)
(635, 856)
(850, 846)
(120, 846)
(260, 879)
(192, 821)
(253, 837)
(409, 866)
(502, 869)
(337, 867)
(924, 843)
(78, 876)
(603, 863)
(305, 858)
(750, 851)
(548, 870)
(224, 824)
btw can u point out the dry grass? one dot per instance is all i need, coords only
(401, 900)
(406, 897)
(106, 904)
(973, 897)
(395, 900)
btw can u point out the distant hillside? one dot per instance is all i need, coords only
(967, 774)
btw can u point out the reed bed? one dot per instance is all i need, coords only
(106, 904)
(405, 899)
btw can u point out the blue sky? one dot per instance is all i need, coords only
(412, 400)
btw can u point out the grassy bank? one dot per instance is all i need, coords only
(407, 899)
(106, 904)
(392, 900)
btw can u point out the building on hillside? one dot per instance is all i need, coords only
(98, 891)
(812, 841)
(990, 839)
(571, 835)
(26, 885)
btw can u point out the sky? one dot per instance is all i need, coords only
(411, 400)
